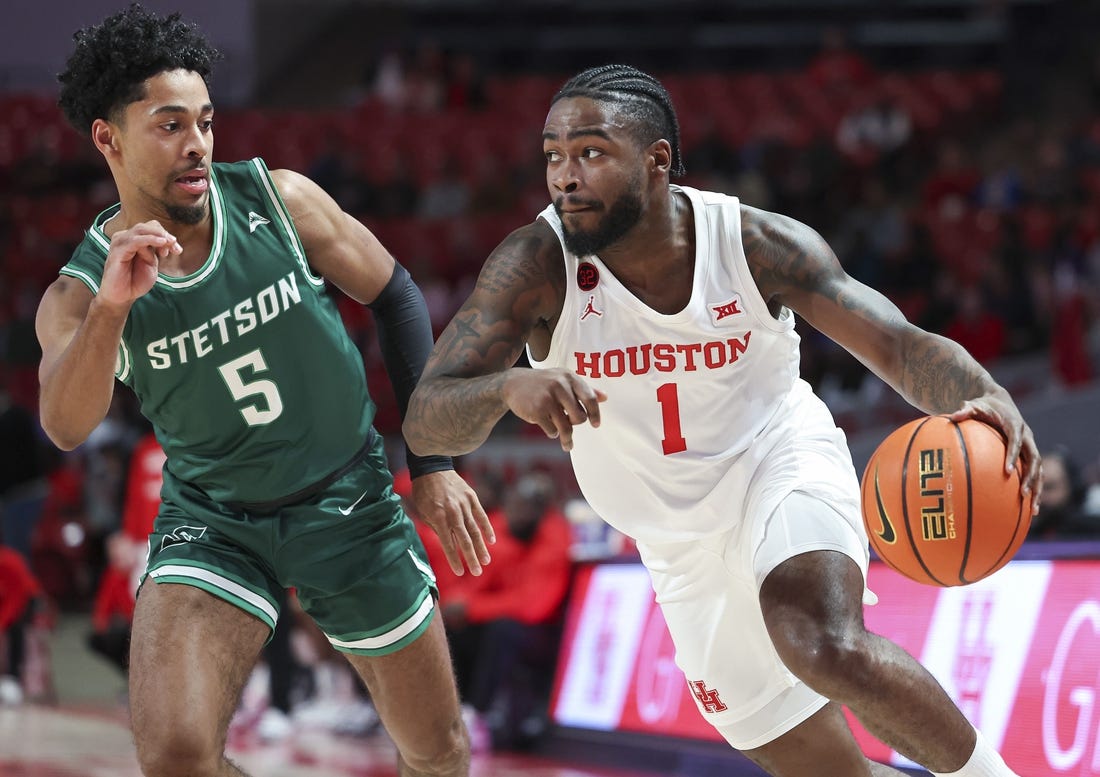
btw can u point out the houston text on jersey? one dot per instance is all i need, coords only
(662, 357)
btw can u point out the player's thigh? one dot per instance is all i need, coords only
(191, 654)
(413, 690)
(364, 577)
(820, 746)
(809, 539)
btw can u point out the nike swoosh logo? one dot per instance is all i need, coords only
(347, 510)
(887, 534)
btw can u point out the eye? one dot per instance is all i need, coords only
(171, 126)
(552, 156)
(206, 124)
(592, 153)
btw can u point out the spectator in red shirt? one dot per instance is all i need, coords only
(144, 479)
(505, 625)
(113, 611)
(20, 598)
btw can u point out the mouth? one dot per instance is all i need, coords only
(573, 207)
(194, 181)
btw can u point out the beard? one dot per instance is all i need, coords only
(186, 214)
(624, 213)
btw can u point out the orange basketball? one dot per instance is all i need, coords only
(937, 504)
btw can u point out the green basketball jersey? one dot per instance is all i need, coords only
(244, 367)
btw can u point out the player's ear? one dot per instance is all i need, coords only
(105, 137)
(660, 152)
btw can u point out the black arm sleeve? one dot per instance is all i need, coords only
(405, 335)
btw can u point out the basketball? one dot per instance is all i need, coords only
(938, 505)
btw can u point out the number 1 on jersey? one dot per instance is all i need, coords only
(673, 441)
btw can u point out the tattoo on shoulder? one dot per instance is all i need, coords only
(519, 261)
(784, 254)
(515, 292)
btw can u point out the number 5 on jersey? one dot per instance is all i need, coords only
(269, 405)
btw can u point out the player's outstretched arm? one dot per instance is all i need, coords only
(470, 380)
(793, 266)
(345, 252)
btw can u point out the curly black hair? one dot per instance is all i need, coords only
(108, 68)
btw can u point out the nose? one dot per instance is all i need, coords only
(198, 143)
(565, 177)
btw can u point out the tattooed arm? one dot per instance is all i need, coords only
(470, 380)
(795, 268)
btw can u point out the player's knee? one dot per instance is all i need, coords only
(447, 754)
(823, 658)
(178, 751)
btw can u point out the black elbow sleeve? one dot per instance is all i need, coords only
(405, 337)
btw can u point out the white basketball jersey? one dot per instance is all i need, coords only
(688, 393)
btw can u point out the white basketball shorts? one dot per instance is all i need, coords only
(708, 591)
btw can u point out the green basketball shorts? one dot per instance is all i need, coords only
(350, 551)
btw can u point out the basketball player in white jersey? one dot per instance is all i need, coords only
(663, 317)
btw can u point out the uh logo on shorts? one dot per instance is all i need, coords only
(182, 534)
(708, 698)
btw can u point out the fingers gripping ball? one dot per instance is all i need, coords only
(938, 505)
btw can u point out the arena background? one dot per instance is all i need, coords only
(950, 153)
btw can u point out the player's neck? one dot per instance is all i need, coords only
(656, 261)
(663, 238)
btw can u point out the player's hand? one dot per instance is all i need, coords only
(448, 504)
(556, 400)
(133, 261)
(1001, 412)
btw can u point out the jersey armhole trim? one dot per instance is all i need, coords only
(553, 356)
(263, 177)
(81, 276)
(125, 366)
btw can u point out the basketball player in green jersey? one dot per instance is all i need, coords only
(203, 290)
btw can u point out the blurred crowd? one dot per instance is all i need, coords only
(979, 220)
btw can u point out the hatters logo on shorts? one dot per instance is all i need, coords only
(588, 277)
(182, 534)
(708, 698)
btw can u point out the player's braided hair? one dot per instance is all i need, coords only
(638, 95)
(112, 60)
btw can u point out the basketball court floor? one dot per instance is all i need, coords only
(84, 732)
(39, 741)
